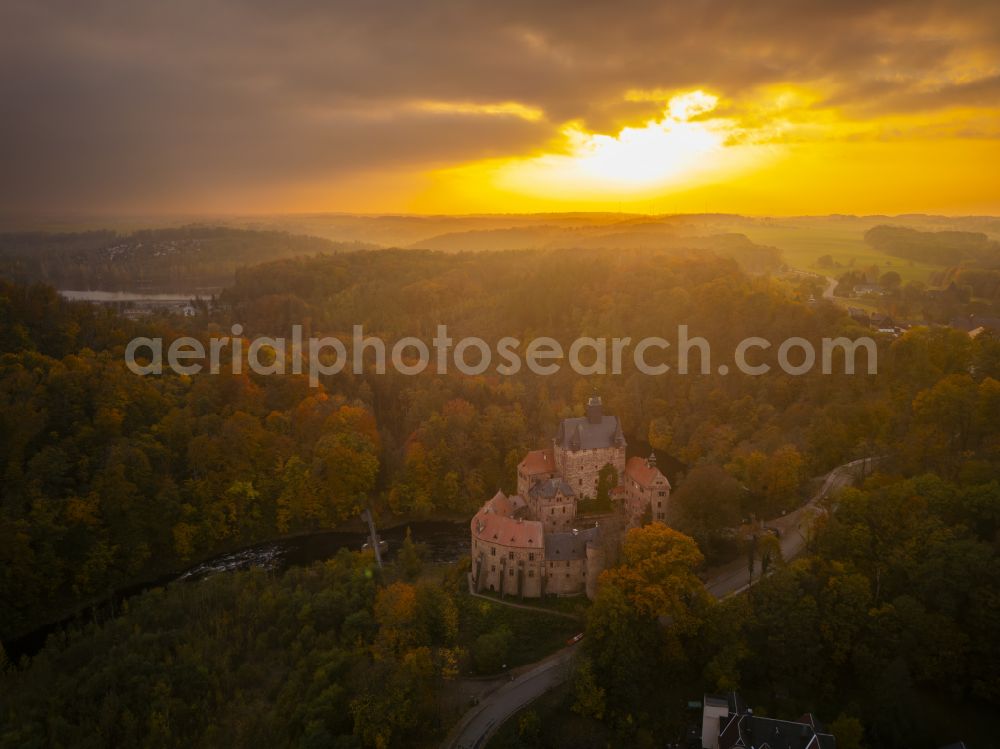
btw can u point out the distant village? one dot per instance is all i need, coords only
(137, 305)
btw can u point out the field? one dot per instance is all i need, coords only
(803, 244)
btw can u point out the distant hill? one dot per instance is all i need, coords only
(181, 259)
(944, 247)
(619, 236)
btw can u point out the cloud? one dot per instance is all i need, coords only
(128, 105)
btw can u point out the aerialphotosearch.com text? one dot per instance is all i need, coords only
(471, 355)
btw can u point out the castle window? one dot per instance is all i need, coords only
(531, 573)
(531, 556)
(512, 572)
(493, 568)
(493, 551)
(510, 554)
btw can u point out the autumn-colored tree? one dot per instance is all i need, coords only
(646, 610)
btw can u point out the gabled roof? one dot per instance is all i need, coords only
(639, 470)
(537, 462)
(581, 434)
(549, 488)
(748, 730)
(495, 526)
(501, 504)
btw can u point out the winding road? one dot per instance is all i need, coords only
(831, 285)
(478, 724)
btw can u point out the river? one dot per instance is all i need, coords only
(445, 542)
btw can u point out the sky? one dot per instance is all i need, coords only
(449, 106)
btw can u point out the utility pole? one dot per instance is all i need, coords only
(373, 538)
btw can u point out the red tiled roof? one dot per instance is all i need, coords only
(641, 472)
(536, 462)
(489, 525)
(501, 504)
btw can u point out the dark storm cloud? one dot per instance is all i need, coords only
(122, 104)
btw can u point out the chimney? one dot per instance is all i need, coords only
(594, 410)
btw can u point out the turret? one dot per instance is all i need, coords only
(595, 411)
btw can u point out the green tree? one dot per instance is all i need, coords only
(410, 559)
(588, 694)
(491, 650)
(706, 503)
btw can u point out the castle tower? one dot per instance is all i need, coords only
(584, 445)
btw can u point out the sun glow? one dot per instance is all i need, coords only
(775, 149)
(679, 146)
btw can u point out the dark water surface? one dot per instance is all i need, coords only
(445, 542)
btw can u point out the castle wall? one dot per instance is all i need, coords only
(655, 497)
(557, 514)
(595, 564)
(519, 567)
(565, 578)
(581, 468)
(507, 569)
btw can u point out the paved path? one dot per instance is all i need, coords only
(732, 578)
(477, 726)
(481, 722)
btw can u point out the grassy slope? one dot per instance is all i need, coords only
(802, 245)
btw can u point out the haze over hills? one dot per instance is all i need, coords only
(185, 254)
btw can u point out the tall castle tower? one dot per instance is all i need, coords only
(584, 445)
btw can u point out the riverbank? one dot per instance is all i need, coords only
(446, 542)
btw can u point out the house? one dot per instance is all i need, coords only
(727, 723)
(859, 315)
(882, 323)
(868, 289)
(975, 325)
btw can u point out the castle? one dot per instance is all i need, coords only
(528, 544)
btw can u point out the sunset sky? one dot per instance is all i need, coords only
(755, 107)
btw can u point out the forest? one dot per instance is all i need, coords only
(191, 259)
(111, 479)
